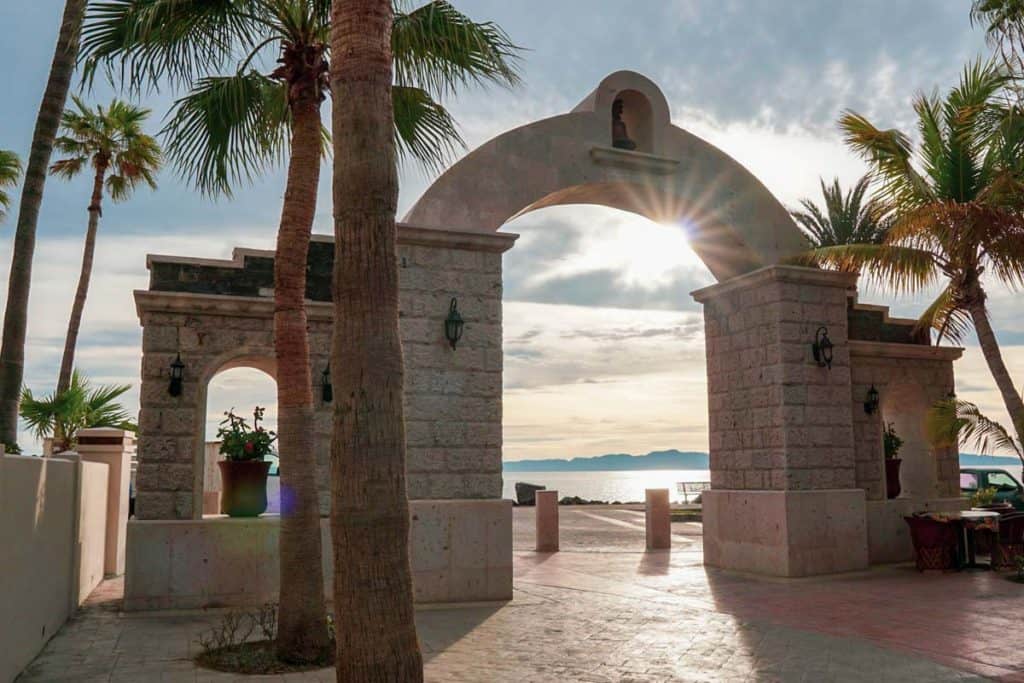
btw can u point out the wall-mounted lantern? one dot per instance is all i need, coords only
(871, 402)
(453, 324)
(822, 348)
(326, 389)
(177, 375)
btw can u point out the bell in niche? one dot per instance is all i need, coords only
(620, 135)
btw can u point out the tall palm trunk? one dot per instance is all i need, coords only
(375, 627)
(12, 350)
(302, 617)
(75, 322)
(994, 358)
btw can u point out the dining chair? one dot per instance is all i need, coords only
(935, 543)
(1009, 542)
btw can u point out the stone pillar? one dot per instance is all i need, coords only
(783, 499)
(658, 519)
(114, 448)
(547, 521)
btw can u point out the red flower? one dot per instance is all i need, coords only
(249, 446)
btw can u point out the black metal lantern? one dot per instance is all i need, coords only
(871, 402)
(822, 348)
(453, 324)
(177, 375)
(326, 389)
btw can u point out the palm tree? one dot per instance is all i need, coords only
(228, 128)
(10, 171)
(847, 219)
(12, 348)
(63, 413)
(958, 205)
(953, 422)
(121, 156)
(373, 600)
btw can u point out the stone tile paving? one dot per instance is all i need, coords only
(631, 616)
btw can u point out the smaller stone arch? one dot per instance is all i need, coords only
(205, 456)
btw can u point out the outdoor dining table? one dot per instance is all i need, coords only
(969, 522)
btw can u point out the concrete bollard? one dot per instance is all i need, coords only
(547, 521)
(658, 519)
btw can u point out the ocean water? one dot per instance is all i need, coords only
(610, 486)
(628, 485)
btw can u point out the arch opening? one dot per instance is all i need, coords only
(239, 385)
(596, 306)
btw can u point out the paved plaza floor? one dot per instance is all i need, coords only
(604, 610)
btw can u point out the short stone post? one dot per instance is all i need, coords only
(113, 447)
(547, 521)
(658, 519)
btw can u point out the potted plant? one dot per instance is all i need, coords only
(892, 444)
(985, 499)
(243, 472)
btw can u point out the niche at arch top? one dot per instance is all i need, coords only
(632, 122)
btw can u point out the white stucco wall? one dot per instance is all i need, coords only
(48, 562)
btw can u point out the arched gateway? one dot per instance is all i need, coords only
(796, 458)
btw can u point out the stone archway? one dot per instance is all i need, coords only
(795, 490)
(735, 224)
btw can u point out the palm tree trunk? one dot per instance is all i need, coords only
(12, 350)
(994, 358)
(74, 324)
(373, 601)
(302, 617)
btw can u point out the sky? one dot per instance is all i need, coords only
(604, 345)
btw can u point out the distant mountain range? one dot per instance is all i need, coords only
(615, 462)
(679, 460)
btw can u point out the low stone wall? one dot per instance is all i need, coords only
(52, 530)
(461, 552)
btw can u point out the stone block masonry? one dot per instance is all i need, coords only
(219, 315)
(777, 420)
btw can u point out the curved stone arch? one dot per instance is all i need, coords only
(735, 223)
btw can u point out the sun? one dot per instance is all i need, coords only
(646, 254)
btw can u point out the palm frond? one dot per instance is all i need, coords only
(903, 269)
(948, 319)
(889, 153)
(142, 44)
(847, 218)
(227, 130)
(437, 48)
(10, 172)
(953, 422)
(423, 128)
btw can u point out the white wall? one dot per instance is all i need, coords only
(48, 562)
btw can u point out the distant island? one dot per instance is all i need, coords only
(680, 460)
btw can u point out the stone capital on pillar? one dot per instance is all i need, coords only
(115, 448)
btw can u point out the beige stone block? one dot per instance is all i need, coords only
(785, 533)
